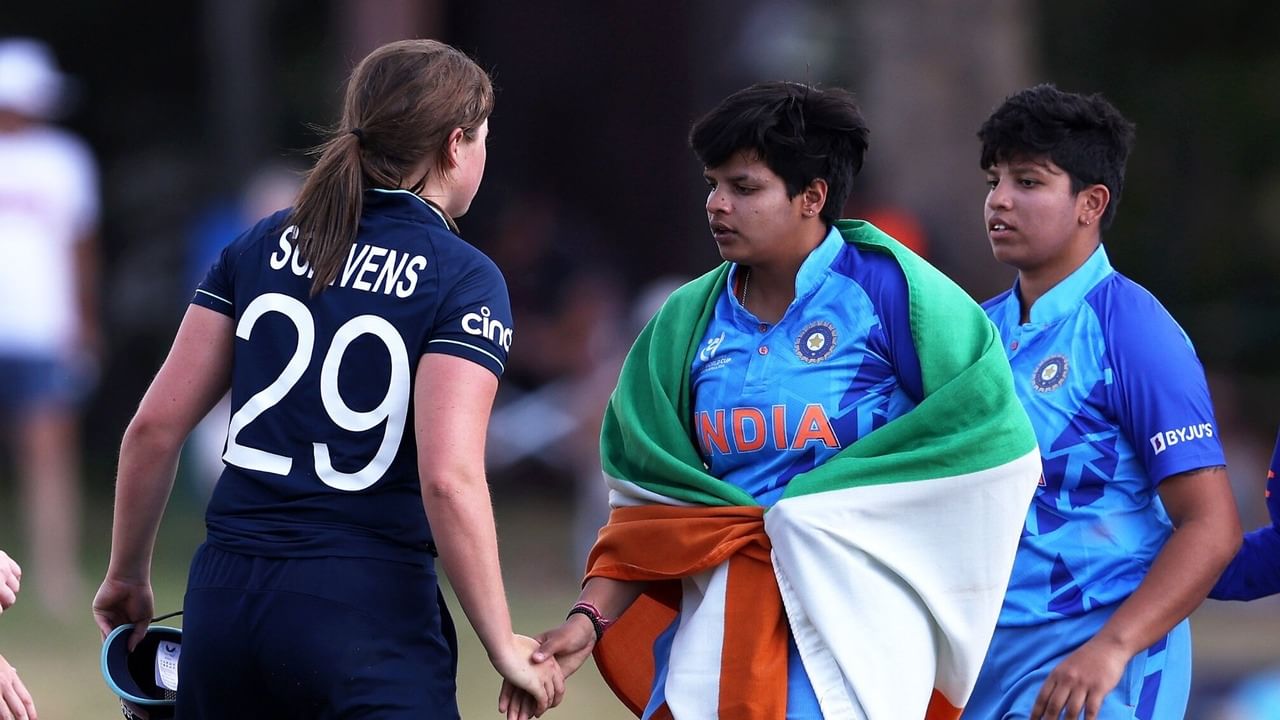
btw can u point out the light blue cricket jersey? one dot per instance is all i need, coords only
(1119, 402)
(772, 401)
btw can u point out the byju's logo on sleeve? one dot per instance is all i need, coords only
(1166, 439)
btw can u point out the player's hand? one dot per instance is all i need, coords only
(15, 701)
(1081, 681)
(123, 601)
(569, 645)
(543, 683)
(517, 704)
(10, 577)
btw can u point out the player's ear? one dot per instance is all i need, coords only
(1092, 202)
(814, 197)
(453, 146)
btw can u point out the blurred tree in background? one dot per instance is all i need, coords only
(1199, 224)
(595, 100)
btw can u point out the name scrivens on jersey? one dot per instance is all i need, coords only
(321, 456)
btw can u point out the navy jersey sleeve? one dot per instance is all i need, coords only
(1255, 570)
(217, 290)
(474, 321)
(1161, 396)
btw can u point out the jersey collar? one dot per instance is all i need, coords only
(436, 209)
(812, 270)
(1067, 295)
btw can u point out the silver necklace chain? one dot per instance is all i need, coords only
(746, 278)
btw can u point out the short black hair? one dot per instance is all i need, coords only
(1082, 134)
(801, 132)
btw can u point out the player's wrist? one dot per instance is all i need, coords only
(598, 622)
(508, 654)
(125, 575)
(1114, 643)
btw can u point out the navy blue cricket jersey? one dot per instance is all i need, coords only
(320, 455)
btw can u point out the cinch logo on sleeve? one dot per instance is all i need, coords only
(1162, 441)
(482, 325)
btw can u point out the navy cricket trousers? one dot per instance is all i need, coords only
(315, 638)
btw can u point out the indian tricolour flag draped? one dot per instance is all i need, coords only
(888, 562)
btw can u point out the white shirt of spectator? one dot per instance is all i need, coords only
(48, 202)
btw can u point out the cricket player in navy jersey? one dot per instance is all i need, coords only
(362, 341)
(782, 456)
(1134, 520)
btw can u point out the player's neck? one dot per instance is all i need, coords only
(1035, 282)
(767, 291)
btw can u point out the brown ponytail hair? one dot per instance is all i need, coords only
(402, 102)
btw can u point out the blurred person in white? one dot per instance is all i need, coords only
(15, 701)
(49, 337)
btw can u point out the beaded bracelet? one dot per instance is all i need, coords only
(598, 621)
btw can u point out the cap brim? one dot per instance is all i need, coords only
(115, 663)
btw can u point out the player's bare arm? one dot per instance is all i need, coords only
(193, 377)
(1206, 535)
(453, 399)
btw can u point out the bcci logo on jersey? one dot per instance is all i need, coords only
(1163, 440)
(1050, 373)
(816, 342)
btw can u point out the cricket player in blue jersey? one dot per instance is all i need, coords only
(1134, 520)
(1255, 571)
(766, 376)
(362, 341)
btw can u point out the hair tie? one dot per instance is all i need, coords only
(359, 133)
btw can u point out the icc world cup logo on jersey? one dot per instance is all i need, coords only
(1050, 373)
(816, 342)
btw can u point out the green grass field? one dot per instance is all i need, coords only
(58, 661)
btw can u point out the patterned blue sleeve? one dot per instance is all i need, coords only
(905, 359)
(883, 280)
(1255, 571)
(1161, 392)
